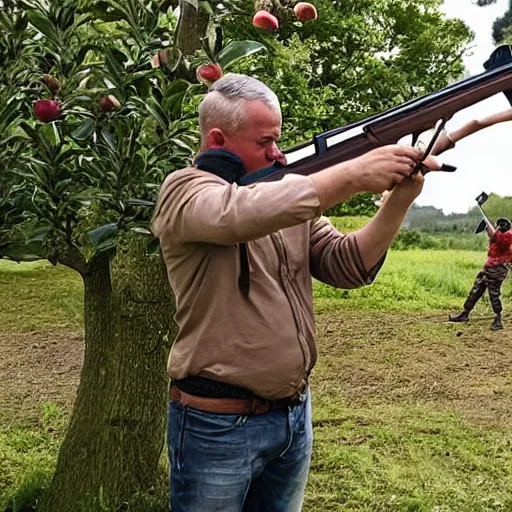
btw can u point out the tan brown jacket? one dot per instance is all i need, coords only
(263, 342)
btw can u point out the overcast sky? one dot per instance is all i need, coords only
(483, 160)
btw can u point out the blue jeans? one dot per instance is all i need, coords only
(231, 463)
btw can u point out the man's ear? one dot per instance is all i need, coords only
(216, 138)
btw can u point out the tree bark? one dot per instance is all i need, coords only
(192, 28)
(116, 432)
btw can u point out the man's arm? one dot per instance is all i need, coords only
(378, 170)
(195, 206)
(375, 238)
(491, 232)
(353, 260)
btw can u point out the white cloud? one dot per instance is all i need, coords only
(483, 159)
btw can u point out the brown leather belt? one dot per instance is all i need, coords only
(242, 406)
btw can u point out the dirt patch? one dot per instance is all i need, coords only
(365, 358)
(413, 359)
(38, 368)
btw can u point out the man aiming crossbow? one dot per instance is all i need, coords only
(241, 253)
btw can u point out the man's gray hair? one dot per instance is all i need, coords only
(223, 106)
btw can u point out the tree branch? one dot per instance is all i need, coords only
(71, 257)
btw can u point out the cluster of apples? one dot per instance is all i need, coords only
(47, 110)
(304, 11)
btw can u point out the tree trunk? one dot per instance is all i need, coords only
(192, 28)
(116, 431)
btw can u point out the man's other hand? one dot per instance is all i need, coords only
(385, 167)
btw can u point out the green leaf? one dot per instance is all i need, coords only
(237, 50)
(44, 25)
(31, 132)
(156, 111)
(56, 134)
(193, 3)
(142, 231)
(102, 234)
(140, 74)
(206, 6)
(50, 137)
(84, 131)
(39, 234)
(98, 197)
(113, 61)
(106, 245)
(153, 246)
(183, 145)
(22, 252)
(80, 56)
(138, 202)
(102, 11)
(68, 154)
(109, 140)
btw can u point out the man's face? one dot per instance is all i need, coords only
(503, 227)
(256, 142)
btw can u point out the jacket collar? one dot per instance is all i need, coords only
(222, 163)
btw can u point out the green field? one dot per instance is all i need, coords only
(410, 413)
(412, 280)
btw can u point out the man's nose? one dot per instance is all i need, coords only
(274, 153)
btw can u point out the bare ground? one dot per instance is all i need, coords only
(418, 359)
(364, 358)
(38, 368)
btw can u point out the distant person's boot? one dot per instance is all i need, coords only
(496, 324)
(461, 317)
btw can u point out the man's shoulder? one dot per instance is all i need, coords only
(185, 173)
(507, 236)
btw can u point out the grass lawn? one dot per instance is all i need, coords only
(410, 413)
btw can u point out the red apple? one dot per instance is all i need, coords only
(265, 20)
(109, 103)
(209, 73)
(46, 110)
(155, 61)
(305, 11)
(160, 58)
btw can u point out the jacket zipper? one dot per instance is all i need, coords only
(293, 298)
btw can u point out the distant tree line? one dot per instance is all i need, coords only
(433, 220)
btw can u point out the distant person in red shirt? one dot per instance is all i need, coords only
(493, 274)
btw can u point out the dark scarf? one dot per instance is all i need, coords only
(229, 167)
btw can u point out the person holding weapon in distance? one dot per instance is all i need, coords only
(495, 269)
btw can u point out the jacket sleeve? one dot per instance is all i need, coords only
(335, 258)
(196, 206)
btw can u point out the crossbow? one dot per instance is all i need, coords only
(414, 117)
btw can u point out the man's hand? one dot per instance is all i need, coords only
(409, 189)
(376, 171)
(383, 168)
(375, 238)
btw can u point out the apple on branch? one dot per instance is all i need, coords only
(265, 21)
(46, 111)
(209, 73)
(305, 11)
